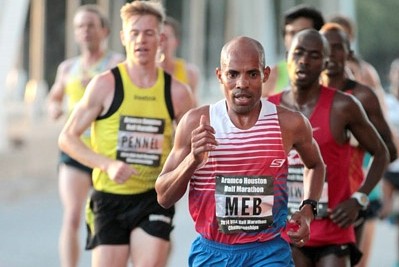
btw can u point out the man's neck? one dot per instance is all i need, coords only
(142, 75)
(335, 81)
(303, 99)
(91, 57)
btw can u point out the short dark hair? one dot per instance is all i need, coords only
(304, 11)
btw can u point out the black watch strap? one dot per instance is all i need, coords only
(312, 203)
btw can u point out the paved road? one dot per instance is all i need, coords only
(30, 211)
(29, 230)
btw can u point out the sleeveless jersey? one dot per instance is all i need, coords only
(137, 129)
(356, 173)
(78, 78)
(337, 158)
(240, 195)
(180, 71)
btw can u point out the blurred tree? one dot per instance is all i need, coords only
(377, 28)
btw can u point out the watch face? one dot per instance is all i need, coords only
(364, 200)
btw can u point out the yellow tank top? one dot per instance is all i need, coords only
(77, 81)
(138, 129)
(180, 72)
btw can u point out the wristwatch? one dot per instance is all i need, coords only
(312, 203)
(362, 199)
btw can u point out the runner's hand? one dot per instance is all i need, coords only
(202, 141)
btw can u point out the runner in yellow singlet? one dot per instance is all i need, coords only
(179, 68)
(91, 30)
(131, 110)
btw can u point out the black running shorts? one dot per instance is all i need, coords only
(110, 218)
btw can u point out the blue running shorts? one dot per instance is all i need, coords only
(272, 253)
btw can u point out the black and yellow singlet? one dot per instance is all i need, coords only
(137, 129)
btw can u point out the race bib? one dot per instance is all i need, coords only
(244, 203)
(140, 140)
(295, 187)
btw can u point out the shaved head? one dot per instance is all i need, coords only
(241, 45)
(242, 71)
(316, 36)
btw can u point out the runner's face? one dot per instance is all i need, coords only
(141, 38)
(339, 53)
(88, 30)
(242, 75)
(305, 60)
(170, 43)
